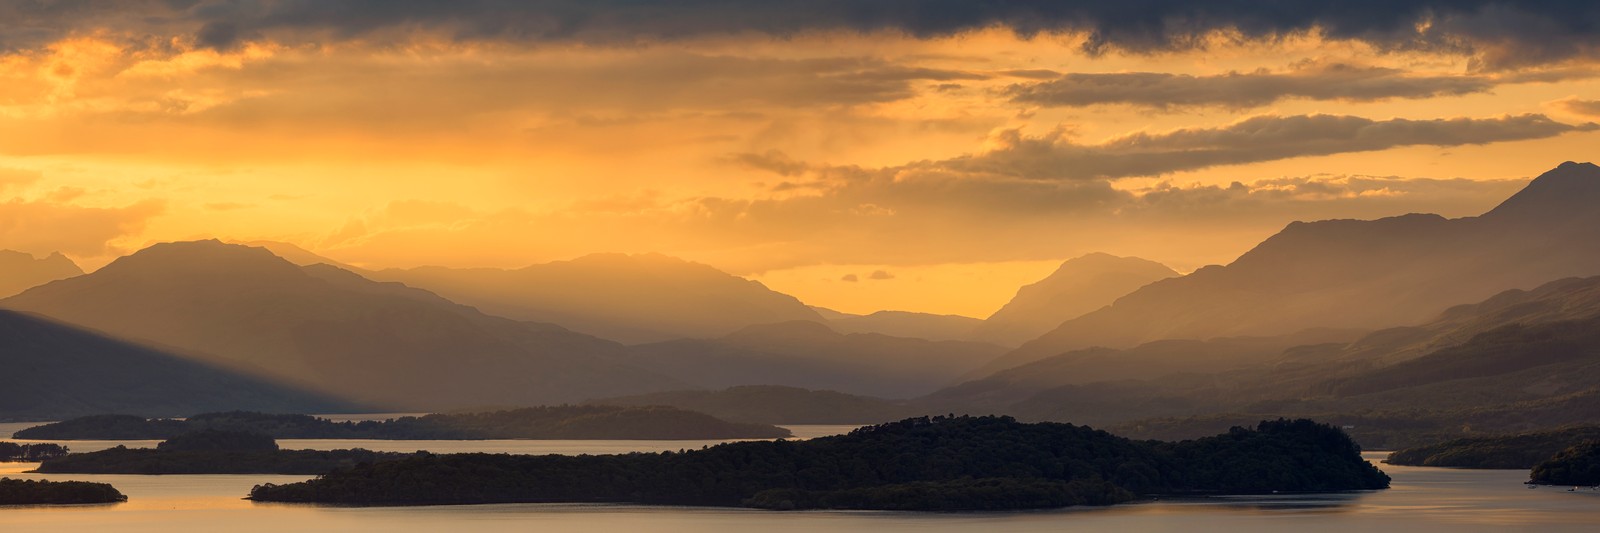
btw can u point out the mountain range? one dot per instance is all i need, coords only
(1359, 274)
(628, 298)
(330, 330)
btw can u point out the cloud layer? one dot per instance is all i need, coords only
(1501, 33)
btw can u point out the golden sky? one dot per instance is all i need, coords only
(955, 150)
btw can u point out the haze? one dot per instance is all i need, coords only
(857, 158)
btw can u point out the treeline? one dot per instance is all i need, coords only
(550, 422)
(1517, 451)
(941, 463)
(213, 452)
(1578, 465)
(11, 452)
(41, 492)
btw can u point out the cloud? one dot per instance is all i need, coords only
(1262, 138)
(1580, 107)
(850, 278)
(40, 226)
(1240, 90)
(880, 275)
(1501, 34)
(12, 180)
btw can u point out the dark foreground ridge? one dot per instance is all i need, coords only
(30, 492)
(941, 463)
(551, 422)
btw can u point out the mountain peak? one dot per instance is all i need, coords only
(1568, 191)
(209, 257)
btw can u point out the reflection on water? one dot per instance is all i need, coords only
(1422, 500)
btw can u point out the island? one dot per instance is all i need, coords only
(213, 452)
(945, 463)
(41, 492)
(549, 422)
(1519, 451)
(1577, 466)
(30, 453)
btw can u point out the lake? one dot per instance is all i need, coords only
(1421, 500)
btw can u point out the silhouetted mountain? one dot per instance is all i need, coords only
(769, 404)
(905, 324)
(1079, 286)
(53, 370)
(1360, 274)
(810, 355)
(332, 330)
(20, 271)
(627, 298)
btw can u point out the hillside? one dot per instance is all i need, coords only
(767, 404)
(809, 355)
(626, 298)
(20, 271)
(1330, 273)
(334, 331)
(1079, 286)
(54, 370)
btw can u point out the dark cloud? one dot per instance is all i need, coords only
(1243, 89)
(850, 278)
(1501, 33)
(1256, 139)
(880, 275)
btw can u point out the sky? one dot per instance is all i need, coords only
(916, 155)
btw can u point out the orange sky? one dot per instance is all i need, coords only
(959, 163)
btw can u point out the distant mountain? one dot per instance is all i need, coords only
(334, 331)
(300, 256)
(810, 355)
(20, 271)
(1351, 274)
(1518, 361)
(768, 404)
(627, 298)
(1079, 286)
(905, 324)
(53, 370)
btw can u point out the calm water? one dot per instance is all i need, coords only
(1422, 500)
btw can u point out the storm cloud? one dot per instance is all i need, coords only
(1502, 34)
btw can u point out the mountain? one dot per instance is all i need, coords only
(1518, 361)
(810, 355)
(627, 298)
(20, 271)
(768, 404)
(1353, 274)
(54, 370)
(332, 330)
(300, 256)
(1079, 286)
(905, 324)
